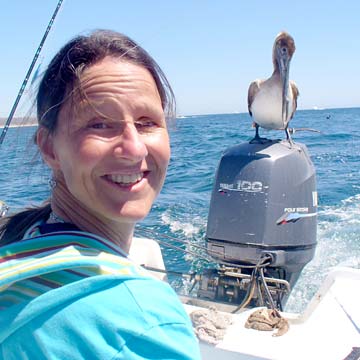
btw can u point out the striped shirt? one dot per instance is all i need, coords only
(44, 261)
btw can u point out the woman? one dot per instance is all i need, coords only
(68, 289)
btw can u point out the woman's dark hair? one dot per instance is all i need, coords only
(63, 73)
(59, 83)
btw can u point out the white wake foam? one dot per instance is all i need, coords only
(338, 245)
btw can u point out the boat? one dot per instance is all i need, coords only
(232, 318)
(329, 328)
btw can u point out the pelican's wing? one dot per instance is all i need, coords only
(253, 90)
(295, 93)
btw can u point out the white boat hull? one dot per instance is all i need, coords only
(328, 329)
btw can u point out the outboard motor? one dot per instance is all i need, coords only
(262, 221)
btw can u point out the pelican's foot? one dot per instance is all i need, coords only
(288, 133)
(259, 140)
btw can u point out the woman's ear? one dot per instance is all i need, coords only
(45, 143)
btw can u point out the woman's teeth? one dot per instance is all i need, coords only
(126, 179)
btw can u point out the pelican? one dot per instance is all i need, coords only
(272, 102)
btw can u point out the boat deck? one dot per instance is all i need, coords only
(328, 329)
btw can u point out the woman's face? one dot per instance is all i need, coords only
(113, 148)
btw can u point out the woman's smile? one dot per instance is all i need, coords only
(125, 180)
(129, 181)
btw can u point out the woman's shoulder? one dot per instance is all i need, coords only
(125, 317)
(143, 314)
(121, 297)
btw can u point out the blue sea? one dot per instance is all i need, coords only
(179, 215)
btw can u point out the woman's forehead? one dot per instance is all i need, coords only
(115, 70)
(114, 77)
(110, 81)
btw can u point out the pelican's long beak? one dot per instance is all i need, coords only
(284, 67)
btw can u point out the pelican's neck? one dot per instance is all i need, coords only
(275, 62)
(276, 73)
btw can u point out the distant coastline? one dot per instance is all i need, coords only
(314, 108)
(32, 121)
(19, 121)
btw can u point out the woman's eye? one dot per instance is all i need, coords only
(145, 124)
(99, 125)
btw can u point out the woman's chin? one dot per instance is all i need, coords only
(128, 215)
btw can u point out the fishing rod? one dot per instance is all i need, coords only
(21, 91)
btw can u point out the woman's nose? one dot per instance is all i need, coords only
(131, 144)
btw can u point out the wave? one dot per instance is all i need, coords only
(188, 228)
(338, 245)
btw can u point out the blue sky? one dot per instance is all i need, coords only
(210, 50)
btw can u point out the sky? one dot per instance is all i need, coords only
(210, 50)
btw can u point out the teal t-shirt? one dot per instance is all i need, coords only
(120, 313)
(102, 317)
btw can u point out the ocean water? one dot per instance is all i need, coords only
(179, 216)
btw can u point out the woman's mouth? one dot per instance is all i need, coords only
(125, 180)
